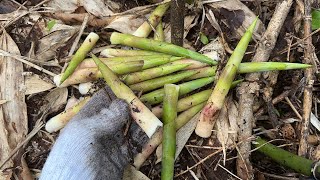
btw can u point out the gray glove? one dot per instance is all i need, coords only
(91, 146)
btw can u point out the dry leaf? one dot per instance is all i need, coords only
(214, 49)
(49, 44)
(126, 24)
(2, 101)
(55, 100)
(131, 173)
(238, 17)
(13, 114)
(34, 84)
(98, 7)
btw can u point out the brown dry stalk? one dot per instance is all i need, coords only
(308, 74)
(177, 21)
(248, 89)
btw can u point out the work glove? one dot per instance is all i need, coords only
(91, 146)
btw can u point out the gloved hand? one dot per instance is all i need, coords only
(91, 146)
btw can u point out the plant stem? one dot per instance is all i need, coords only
(151, 73)
(185, 103)
(210, 112)
(149, 61)
(284, 158)
(59, 121)
(140, 113)
(152, 84)
(153, 20)
(252, 67)
(169, 130)
(159, 34)
(156, 96)
(81, 53)
(92, 74)
(158, 46)
(110, 52)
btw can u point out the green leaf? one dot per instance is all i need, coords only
(203, 38)
(315, 19)
(50, 24)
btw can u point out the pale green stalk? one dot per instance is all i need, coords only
(148, 122)
(81, 53)
(150, 61)
(145, 29)
(156, 96)
(152, 84)
(110, 52)
(91, 74)
(151, 73)
(158, 46)
(210, 112)
(169, 130)
(251, 67)
(159, 34)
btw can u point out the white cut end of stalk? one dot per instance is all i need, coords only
(84, 88)
(203, 129)
(57, 79)
(93, 37)
(148, 122)
(106, 53)
(54, 124)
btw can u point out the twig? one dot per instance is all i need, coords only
(293, 108)
(307, 93)
(29, 136)
(248, 89)
(4, 53)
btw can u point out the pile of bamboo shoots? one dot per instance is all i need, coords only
(147, 70)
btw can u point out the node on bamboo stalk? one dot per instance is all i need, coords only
(211, 110)
(148, 122)
(81, 53)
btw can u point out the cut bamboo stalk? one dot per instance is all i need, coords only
(252, 67)
(152, 84)
(92, 74)
(148, 122)
(185, 103)
(149, 61)
(145, 29)
(169, 130)
(203, 72)
(59, 121)
(156, 139)
(159, 34)
(194, 64)
(210, 112)
(285, 158)
(156, 96)
(151, 73)
(158, 46)
(110, 52)
(81, 53)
